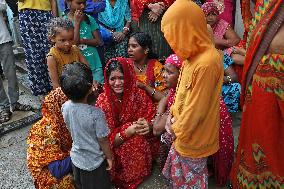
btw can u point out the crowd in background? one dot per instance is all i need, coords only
(125, 83)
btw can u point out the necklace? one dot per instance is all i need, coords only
(140, 69)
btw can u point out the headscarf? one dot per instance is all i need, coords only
(173, 59)
(48, 140)
(114, 17)
(128, 87)
(184, 27)
(211, 7)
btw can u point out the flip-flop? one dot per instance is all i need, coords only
(22, 107)
(5, 116)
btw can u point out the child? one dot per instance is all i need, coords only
(172, 69)
(61, 34)
(86, 36)
(88, 129)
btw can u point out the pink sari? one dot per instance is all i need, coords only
(227, 14)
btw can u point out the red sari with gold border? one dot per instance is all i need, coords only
(259, 161)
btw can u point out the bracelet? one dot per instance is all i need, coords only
(122, 135)
(119, 136)
(154, 92)
(229, 78)
(126, 28)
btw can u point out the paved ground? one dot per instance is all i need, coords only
(13, 169)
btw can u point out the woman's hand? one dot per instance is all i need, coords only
(153, 17)
(131, 130)
(157, 8)
(143, 127)
(238, 50)
(140, 85)
(78, 16)
(118, 36)
(168, 127)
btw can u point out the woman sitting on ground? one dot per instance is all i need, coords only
(147, 68)
(49, 144)
(129, 112)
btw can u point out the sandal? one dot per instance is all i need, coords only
(22, 107)
(5, 116)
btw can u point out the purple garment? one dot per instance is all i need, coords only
(60, 168)
(92, 8)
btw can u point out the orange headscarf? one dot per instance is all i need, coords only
(186, 31)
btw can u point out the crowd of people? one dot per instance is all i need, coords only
(126, 84)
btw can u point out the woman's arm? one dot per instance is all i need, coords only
(155, 94)
(160, 118)
(238, 59)
(53, 7)
(52, 70)
(230, 75)
(231, 37)
(78, 18)
(123, 135)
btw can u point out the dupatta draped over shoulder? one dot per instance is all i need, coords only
(133, 158)
(49, 140)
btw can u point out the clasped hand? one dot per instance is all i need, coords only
(140, 127)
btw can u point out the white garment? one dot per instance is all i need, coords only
(239, 26)
(4, 33)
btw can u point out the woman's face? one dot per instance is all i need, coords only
(135, 51)
(211, 18)
(171, 74)
(116, 81)
(77, 5)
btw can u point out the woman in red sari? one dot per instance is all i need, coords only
(129, 112)
(259, 161)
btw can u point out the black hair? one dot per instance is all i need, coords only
(76, 80)
(145, 41)
(67, 10)
(58, 23)
(112, 66)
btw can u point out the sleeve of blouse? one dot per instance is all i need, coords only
(160, 83)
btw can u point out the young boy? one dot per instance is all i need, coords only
(88, 129)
